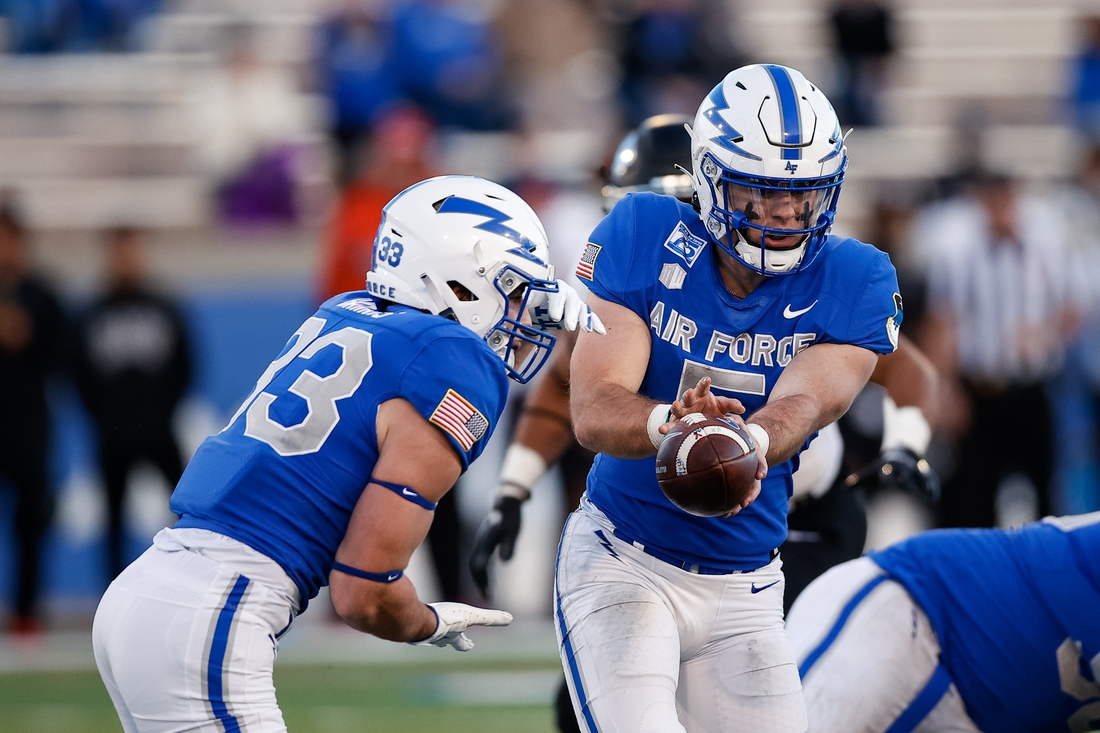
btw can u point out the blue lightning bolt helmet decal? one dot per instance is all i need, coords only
(729, 136)
(494, 224)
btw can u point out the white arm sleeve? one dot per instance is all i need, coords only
(819, 464)
(904, 427)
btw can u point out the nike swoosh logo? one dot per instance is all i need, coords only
(754, 589)
(392, 578)
(788, 313)
(406, 492)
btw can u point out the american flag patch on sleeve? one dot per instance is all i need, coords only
(459, 419)
(586, 268)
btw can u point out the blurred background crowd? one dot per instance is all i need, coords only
(184, 180)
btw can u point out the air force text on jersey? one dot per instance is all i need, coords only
(756, 349)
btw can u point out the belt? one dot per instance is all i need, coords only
(749, 565)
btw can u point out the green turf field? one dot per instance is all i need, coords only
(483, 697)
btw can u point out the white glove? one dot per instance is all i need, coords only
(565, 309)
(454, 618)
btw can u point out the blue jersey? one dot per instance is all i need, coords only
(284, 476)
(1017, 614)
(652, 255)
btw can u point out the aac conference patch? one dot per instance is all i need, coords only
(684, 244)
(459, 419)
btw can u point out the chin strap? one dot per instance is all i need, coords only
(751, 254)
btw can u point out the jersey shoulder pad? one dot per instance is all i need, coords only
(624, 254)
(858, 286)
(458, 384)
(847, 257)
(355, 301)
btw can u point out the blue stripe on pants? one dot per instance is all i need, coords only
(218, 648)
(574, 670)
(841, 620)
(923, 703)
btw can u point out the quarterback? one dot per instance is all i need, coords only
(957, 630)
(330, 470)
(834, 528)
(668, 621)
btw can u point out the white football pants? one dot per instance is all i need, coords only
(869, 658)
(648, 647)
(186, 643)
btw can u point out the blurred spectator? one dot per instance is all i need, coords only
(672, 53)
(891, 221)
(132, 367)
(451, 63)
(33, 26)
(1086, 82)
(1082, 211)
(863, 32)
(248, 116)
(358, 72)
(106, 25)
(998, 320)
(396, 157)
(40, 26)
(32, 332)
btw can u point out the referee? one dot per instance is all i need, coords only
(998, 322)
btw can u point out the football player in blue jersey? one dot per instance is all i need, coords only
(957, 630)
(669, 621)
(330, 470)
(830, 516)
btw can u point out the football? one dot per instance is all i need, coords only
(706, 465)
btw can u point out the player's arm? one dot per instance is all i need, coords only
(543, 433)
(909, 378)
(386, 528)
(609, 416)
(911, 401)
(816, 388)
(545, 425)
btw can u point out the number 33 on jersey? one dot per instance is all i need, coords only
(314, 407)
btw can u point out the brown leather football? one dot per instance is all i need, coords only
(706, 465)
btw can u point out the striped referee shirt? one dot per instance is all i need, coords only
(1006, 297)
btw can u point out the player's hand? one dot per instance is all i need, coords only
(700, 399)
(761, 472)
(899, 468)
(757, 485)
(452, 620)
(499, 528)
(565, 310)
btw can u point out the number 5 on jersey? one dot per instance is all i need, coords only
(320, 393)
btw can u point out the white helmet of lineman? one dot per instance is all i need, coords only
(476, 236)
(768, 159)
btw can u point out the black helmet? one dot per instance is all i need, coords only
(653, 157)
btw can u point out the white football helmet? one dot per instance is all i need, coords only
(477, 235)
(768, 159)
